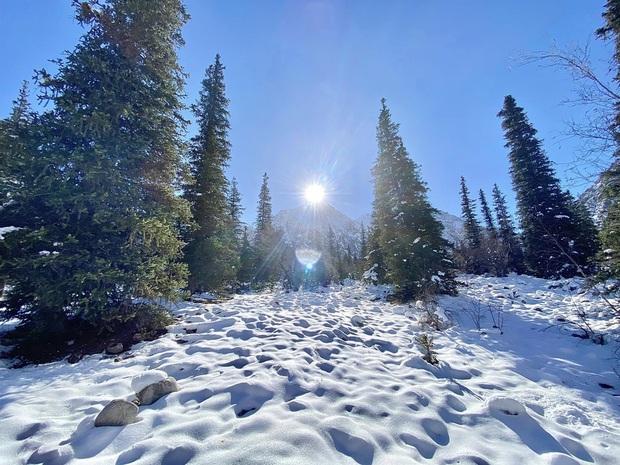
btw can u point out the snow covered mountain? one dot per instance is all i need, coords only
(307, 224)
(595, 202)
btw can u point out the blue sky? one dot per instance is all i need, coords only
(305, 79)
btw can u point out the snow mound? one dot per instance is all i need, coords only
(505, 406)
(291, 378)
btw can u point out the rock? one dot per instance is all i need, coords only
(137, 337)
(114, 348)
(357, 321)
(146, 378)
(119, 412)
(74, 358)
(155, 391)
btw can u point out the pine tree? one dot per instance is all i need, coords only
(14, 150)
(363, 251)
(267, 244)
(471, 225)
(264, 221)
(98, 221)
(609, 258)
(585, 233)
(404, 227)
(506, 232)
(486, 214)
(247, 260)
(546, 218)
(211, 251)
(235, 209)
(17, 146)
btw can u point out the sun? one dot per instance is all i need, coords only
(314, 194)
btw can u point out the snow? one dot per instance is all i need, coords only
(5, 230)
(292, 378)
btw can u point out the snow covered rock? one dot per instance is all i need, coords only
(114, 348)
(139, 382)
(153, 392)
(505, 406)
(119, 412)
(357, 320)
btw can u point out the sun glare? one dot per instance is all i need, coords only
(314, 194)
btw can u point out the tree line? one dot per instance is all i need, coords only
(113, 210)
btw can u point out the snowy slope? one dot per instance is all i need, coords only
(281, 378)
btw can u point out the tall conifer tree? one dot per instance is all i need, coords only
(486, 214)
(405, 230)
(548, 223)
(266, 239)
(506, 232)
(471, 224)
(235, 209)
(98, 221)
(211, 252)
(610, 232)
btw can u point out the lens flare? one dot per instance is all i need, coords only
(307, 257)
(314, 193)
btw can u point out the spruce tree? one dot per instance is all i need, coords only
(15, 138)
(486, 214)
(98, 221)
(363, 251)
(267, 239)
(405, 230)
(247, 260)
(506, 232)
(211, 253)
(470, 222)
(609, 258)
(235, 210)
(551, 244)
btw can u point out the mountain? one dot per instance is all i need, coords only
(595, 201)
(307, 225)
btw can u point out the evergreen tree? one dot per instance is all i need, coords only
(267, 241)
(211, 251)
(405, 230)
(486, 214)
(14, 145)
(584, 232)
(374, 263)
(247, 260)
(546, 217)
(235, 210)
(97, 209)
(506, 232)
(264, 220)
(610, 231)
(471, 225)
(363, 251)
(17, 145)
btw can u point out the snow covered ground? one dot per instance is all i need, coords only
(294, 379)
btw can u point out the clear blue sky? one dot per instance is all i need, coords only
(305, 79)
